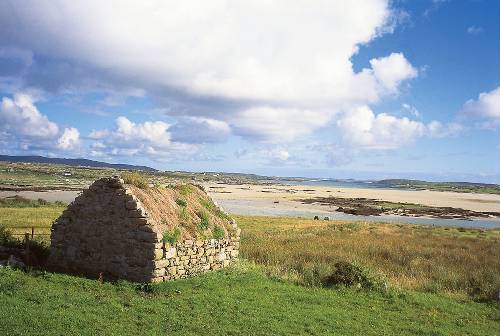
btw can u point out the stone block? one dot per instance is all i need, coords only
(221, 256)
(170, 252)
(158, 254)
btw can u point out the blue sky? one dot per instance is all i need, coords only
(355, 89)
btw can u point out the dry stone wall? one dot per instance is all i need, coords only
(106, 230)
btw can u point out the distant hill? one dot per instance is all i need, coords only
(73, 162)
(486, 188)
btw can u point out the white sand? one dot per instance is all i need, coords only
(287, 196)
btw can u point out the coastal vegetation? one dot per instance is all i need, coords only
(454, 261)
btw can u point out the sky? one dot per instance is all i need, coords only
(333, 89)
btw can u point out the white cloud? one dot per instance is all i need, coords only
(200, 130)
(150, 138)
(70, 139)
(292, 56)
(277, 124)
(474, 30)
(486, 107)
(20, 117)
(362, 128)
(152, 132)
(278, 154)
(390, 71)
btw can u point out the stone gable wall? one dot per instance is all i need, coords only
(106, 230)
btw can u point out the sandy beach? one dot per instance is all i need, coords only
(287, 196)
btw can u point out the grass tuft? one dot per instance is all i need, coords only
(218, 232)
(135, 179)
(204, 221)
(172, 237)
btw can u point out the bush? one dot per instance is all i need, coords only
(135, 179)
(180, 202)
(218, 232)
(348, 274)
(172, 237)
(7, 239)
(204, 223)
(38, 250)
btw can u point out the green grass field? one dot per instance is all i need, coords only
(276, 289)
(236, 301)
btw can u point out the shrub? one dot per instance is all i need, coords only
(7, 239)
(218, 232)
(172, 237)
(180, 202)
(39, 250)
(349, 274)
(204, 223)
(135, 179)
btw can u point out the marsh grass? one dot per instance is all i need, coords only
(463, 262)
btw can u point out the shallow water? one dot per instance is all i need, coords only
(66, 196)
(259, 208)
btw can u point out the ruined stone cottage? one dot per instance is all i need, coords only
(144, 235)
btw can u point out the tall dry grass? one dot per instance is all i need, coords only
(449, 260)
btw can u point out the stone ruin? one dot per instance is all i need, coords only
(118, 231)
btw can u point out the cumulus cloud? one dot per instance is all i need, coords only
(485, 107)
(361, 127)
(150, 138)
(244, 55)
(200, 130)
(390, 71)
(20, 117)
(70, 139)
(277, 124)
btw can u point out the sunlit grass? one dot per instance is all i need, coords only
(448, 260)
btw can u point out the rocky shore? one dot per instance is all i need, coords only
(372, 207)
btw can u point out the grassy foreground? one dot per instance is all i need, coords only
(237, 301)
